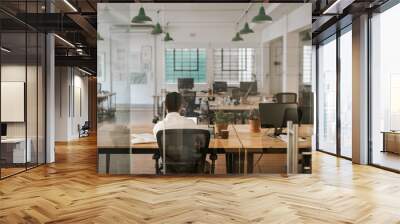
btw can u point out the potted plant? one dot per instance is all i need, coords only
(222, 121)
(254, 120)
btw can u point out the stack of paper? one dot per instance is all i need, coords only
(143, 138)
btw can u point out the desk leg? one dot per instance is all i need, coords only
(108, 163)
(245, 166)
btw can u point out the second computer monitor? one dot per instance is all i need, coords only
(248, 87)
(276, 115)
(219, 87)
(185, 83)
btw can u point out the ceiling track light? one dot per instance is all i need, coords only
(5, 50)
(70, 5)
(65, 41)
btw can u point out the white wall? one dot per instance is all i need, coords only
(68, 82)
(288, 27)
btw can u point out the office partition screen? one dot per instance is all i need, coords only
(22, 77)
(148, 124)
(385, 89)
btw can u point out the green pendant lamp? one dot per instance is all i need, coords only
(141, 17)
(167, 37)
(246, 29)
(261, 17)
(237, 37)
(157, 29)
(99, 37)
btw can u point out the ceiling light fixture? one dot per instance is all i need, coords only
(64, 40)
(99, 37)
(141, 17)
(237, 37)
(84, 71)
(246, 29)
(168, 37)
(5, 50)
(70, 5)
(328, 10)
(157, 28)
(261, 17)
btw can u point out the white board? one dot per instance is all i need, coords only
(12, 101)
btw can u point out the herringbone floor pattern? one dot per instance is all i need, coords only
(70, 191)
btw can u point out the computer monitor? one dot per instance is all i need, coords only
(3, 130)
(220, 87)
(276, 115)
(248, 87)
(185, 83)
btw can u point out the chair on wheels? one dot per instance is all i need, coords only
(185, 151)
(286, 97)
(84, 129)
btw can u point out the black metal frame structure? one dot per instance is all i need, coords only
(28, 30)
(339, 32)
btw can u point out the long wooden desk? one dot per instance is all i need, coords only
(241, 140)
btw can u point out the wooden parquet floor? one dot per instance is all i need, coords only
(70, 191)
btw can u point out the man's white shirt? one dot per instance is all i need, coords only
(174, 120)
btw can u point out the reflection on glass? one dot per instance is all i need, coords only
(385, 89)
(189, 106)
(327, 97)
(346, 94)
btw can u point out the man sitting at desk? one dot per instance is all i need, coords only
(173, 120)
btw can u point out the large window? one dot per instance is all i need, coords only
(346, 94)
(185, 63)
(385, 89)
(327, 97)
(234, 64)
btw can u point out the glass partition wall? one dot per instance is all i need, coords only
(191, 105)
(334, 110)
(22, 97)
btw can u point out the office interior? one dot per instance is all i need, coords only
(279, 56)
(217, 76)
(84, 82)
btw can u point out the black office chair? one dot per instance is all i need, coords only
(290, 115)
(189, 103)
(205, 112)
(286, 97)
(185, 150)
(84, 129)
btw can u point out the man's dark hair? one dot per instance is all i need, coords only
(173, 102)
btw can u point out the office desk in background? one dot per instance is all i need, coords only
(13, 150)
(241, 140)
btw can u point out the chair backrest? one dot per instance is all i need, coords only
(286, 97)
(185, 149)
(189, 100)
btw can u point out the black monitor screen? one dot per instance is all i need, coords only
(250, 87)
(276, 115)
(3, 129)
(220, 87)
(185, 83)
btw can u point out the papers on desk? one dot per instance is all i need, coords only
(285, 138)
(143, 138)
